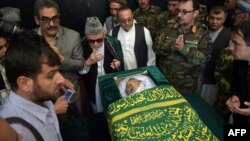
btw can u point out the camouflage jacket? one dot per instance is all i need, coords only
(202, 17)
(148, 18)
(224, 76)
(165, 19)
(224, 71)
(181, 67)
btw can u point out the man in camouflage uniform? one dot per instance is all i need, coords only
(202, 17)
(224, 77)
(224, 66)
(146, 15)
(170, 16)
(182, 49)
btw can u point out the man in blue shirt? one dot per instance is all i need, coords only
(32, 69)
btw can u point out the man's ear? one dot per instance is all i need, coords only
(24, 84)
(196, 13)
(36, 20)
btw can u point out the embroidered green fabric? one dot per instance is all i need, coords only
(159, 113)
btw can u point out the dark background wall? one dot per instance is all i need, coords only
(74, 12)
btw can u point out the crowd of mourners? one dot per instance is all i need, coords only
(201, 51)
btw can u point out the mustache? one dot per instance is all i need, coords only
(181, 21)
(51, 27)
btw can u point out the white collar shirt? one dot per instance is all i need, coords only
(127, 39)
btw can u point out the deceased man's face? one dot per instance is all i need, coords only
(132, 85)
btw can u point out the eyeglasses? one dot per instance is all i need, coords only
(124, 21)
(47, 20)
(100, 40)
(173, 5)
(185, 12)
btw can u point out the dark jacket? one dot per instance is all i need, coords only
(112, 50)
(240, 88)
(221, 42)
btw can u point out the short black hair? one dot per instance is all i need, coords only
(196, 4)
(25, 55)
(39, 4)
(121, 2)
(123, 8)
(217, 9)
(244, 28)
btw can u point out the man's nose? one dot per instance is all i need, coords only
(51, 23)
(60, 78)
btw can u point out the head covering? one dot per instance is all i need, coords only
(93, 26)
(10, 14)
(146, 83)
(243, 5)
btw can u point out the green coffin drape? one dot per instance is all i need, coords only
(159, 113)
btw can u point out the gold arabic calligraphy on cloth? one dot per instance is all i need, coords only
(157, 114)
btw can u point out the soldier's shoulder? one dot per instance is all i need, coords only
(155, 9)
(136, 11)
(202, 29)
(163, 14)
(169, 31)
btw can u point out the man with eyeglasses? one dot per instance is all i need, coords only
(182, 49)
(170, 16)
(136, 41)
(146, 15)
(64, 41)
(103, 55)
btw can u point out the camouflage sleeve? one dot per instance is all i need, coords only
(196, 53)
(162, 45)
(224, 70)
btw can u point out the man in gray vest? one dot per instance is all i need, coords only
(135, 40)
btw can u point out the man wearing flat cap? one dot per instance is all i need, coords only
(103, 54)
(242, 11)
